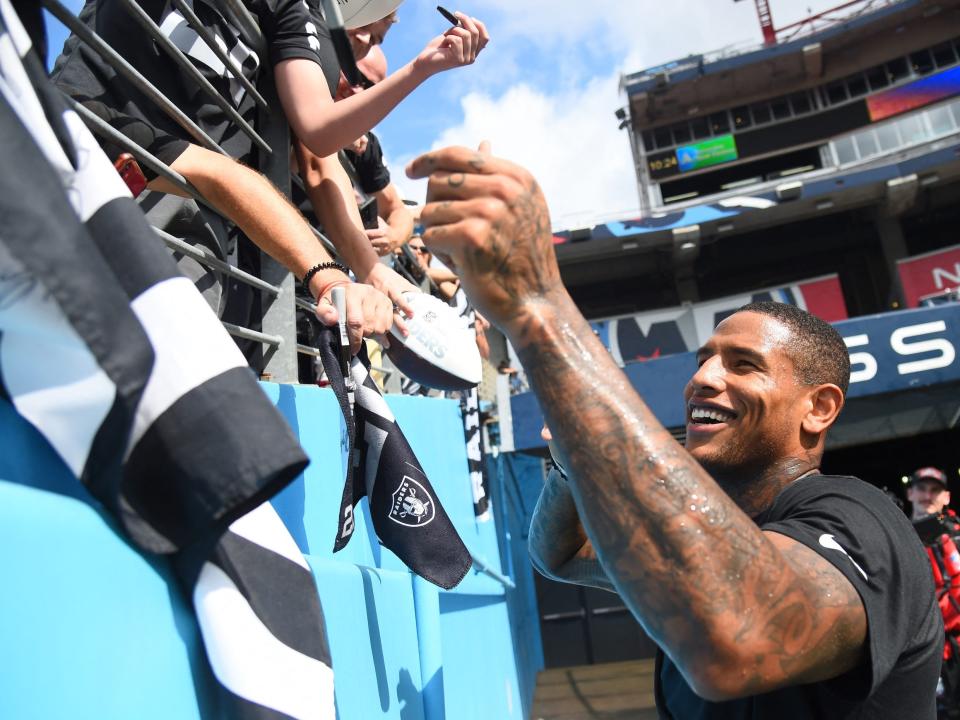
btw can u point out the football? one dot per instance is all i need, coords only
(441, 351)
(357, 13)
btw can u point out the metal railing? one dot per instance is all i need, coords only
(271, 139)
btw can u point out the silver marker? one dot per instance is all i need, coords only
(339, 297)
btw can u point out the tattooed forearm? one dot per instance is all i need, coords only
(558, 544)
(731, 608)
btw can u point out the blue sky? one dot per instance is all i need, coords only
(545, 90)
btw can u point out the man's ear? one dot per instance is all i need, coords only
(825, 404)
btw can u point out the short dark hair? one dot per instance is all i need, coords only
(818, 352)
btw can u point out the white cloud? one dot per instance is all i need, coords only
(568, 140)
(564, 131)
(661, 31)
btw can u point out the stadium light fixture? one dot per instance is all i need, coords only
(623, 117)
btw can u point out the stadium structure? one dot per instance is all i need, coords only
(820, 169)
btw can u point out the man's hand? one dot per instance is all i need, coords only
(487, 220)
(381, 238)
(393, 286)
(369, 313)
(456, 47)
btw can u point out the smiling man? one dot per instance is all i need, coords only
(772, 590)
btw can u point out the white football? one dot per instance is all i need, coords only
(441, 351)
(357, 13)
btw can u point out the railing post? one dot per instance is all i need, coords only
(279, 314)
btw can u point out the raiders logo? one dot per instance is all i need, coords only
(412, 505)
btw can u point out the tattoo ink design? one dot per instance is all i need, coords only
(739, 612)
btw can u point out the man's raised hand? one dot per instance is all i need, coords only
(487, 220)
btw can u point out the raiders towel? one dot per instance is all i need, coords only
(407, 515)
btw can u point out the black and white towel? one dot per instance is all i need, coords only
(119, 363)
(406, 512)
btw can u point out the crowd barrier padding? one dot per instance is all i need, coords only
(93, 629)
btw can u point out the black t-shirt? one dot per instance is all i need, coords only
(291, 29)
(371, 174)
(863, 534)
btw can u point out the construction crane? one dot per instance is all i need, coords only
(809, 24)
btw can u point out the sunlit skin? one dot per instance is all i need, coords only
(373, 67)
(928, 498)
(746, 374)
(368, 36)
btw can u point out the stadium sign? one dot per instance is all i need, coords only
(658, 333)
(709, 152)
(916, 94)
(929, 274)
(900, 351)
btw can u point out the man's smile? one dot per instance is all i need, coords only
(707, 417)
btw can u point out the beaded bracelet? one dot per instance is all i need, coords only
(329, 265)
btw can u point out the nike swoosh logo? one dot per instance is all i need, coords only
(830, 542)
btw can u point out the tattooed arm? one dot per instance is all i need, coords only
(558, 544)
(740, 611)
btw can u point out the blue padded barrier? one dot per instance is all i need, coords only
(91, 629)
(95, 630)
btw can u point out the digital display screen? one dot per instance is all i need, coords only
(704, 154)
(663, 164)
(913, 95)
(693, 157)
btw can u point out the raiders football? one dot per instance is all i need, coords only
(441, 351)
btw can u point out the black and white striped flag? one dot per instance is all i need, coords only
(406, 512)
(120, 364)
(262, 625)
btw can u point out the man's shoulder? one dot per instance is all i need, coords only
(270, 11)
(826, 487)
(843, 505)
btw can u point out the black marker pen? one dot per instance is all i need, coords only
(451, 18)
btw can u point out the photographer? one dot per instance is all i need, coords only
(939, 529)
